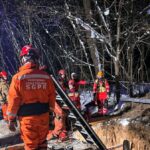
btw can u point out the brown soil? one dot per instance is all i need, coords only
(137, 132)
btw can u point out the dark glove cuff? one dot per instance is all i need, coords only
(13, 120)
(94, 95)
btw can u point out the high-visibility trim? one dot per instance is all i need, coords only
(11, 114)
(74, 94)
(33, 76)
(58, 117)
(102, 89)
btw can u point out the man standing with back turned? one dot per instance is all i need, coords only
(31, 95)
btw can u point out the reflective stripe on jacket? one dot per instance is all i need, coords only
(101, 86)
(30, 85)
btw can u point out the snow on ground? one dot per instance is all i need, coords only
(4, 131)
(85, 98)
(124, 122)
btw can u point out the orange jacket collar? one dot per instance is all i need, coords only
(28, 66)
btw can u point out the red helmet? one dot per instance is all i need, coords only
(61, 72)
(28, 50)
(3, 74)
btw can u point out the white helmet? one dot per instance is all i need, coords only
(73, 75)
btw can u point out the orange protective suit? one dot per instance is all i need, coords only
(59, 122)
(30, 96)
(59, 118)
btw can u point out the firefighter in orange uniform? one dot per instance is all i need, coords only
(74, 84)
(3, 93)
(31, 95)
(59, 131)
(60, 118)
(101, 92)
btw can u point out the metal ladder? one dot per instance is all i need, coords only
(80, 123)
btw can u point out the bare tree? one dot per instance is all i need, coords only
(88, 34)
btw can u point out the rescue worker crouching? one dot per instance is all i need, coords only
(60, 116)
(3, 93)
(59, 131)
(31, 95)
(101, 90)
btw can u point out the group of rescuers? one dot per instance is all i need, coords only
(32, 95)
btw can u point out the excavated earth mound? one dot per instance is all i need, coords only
(133, 126)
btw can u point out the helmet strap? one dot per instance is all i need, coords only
(26, 59)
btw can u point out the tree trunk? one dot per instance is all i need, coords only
(117, 66)
(91, 42)
(117, 83)
(130, 70)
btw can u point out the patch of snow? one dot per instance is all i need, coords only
(123, 105)
(46, 31)
(92, 35)
(86, 26)
(124, 96)
(106, 12)
(148, 11)
(124, 122)
(85, 98)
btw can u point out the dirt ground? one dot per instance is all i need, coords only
(140, 125)
(133, 125)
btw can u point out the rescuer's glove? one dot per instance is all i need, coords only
(94, 96)
(12, 125)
